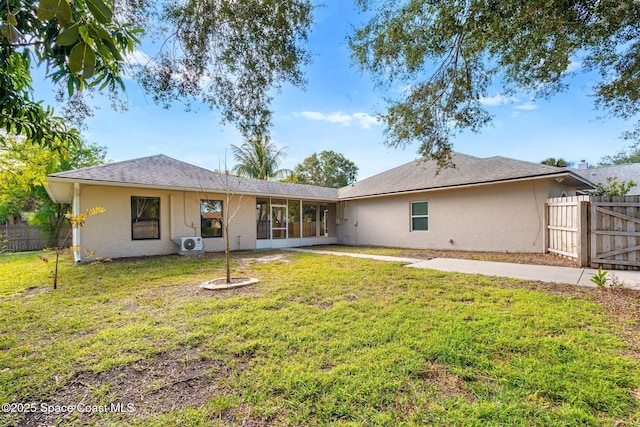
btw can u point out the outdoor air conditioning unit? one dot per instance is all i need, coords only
(191, 244)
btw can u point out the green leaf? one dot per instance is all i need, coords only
(97, 32)
(85, 34)
(63, 12)
(104, 84)
(59, 9)
(70, 86)
(114, 50)
(100, 10)
(68, 35)
(82, 60)
(46, 10)
(11, 19)
(11, 33)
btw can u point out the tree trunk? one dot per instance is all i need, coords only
(55, 274)
(227, 254)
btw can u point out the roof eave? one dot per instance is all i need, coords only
(174, 188)
(554, 176)
(50, 193)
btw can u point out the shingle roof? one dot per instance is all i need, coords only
(421, 175)
(622, 172)
(165, 172)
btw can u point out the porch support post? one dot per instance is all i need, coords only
(270, 223)
(77, 255)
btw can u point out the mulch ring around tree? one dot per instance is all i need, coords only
(221, 283)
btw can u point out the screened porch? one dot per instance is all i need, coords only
(285, 223)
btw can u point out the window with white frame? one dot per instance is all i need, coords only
(419, 216)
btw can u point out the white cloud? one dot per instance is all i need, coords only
(311, 115)
(364, 120)
(338, 117)
(497, 100)
(528, 106)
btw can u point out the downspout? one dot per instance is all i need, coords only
(75, 237)
(171, 219)
(355, 222)
(184, 214)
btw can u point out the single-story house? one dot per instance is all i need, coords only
(483, 204)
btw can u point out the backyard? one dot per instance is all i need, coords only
(320, 340)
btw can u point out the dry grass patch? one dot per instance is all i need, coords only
(171, 381)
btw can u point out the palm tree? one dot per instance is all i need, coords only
(259, 158)
(559, 162)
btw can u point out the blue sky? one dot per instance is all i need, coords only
(337, 112)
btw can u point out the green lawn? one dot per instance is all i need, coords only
(320, 340)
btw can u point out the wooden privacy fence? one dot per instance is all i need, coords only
(566, 227)
(615, 232)
(595, 230)
(24, 237)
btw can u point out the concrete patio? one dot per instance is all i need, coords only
(543, 273)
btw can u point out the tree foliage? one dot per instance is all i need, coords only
(24, 166)
(449, 54)
(326, 169)
(77, 221)
(258, 157)
(559, 162)
(613, 187)
(229, 54)
(78, 43)
(630, 155)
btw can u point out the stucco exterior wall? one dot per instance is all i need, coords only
(109, 234)
(501, 217)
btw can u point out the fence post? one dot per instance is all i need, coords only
(583, 233)
(593, 226)
(545, 230)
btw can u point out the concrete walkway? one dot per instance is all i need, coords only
(543, 273)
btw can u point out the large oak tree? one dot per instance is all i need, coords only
(326, 169)
(447, 54)
(232, 55)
